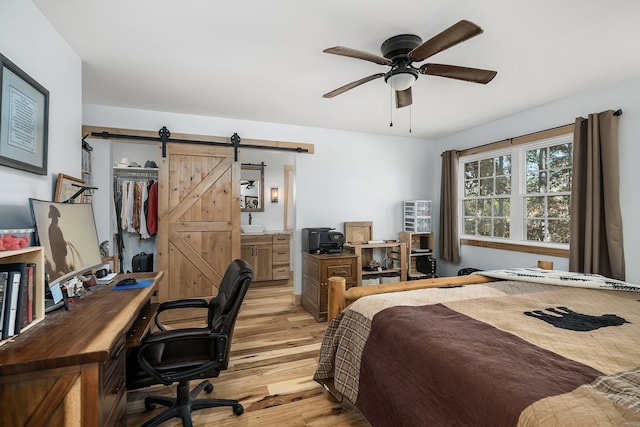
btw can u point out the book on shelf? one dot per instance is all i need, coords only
(11, 304)
(15, 293)
(25, 299)
(4, 280)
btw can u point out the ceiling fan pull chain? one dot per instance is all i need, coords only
(390, 107)
(410, 116)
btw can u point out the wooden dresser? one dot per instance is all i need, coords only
(70, 368)
(316, 270)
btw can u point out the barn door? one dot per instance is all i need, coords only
(198, 219)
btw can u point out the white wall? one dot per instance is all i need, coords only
(351, 176)
(622, 95)
(28, 40)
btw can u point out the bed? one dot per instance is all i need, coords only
(547, 349)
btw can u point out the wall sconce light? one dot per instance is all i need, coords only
(274, 194)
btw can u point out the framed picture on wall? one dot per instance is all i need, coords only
(250, 202)
(24, 117)
(65, 189)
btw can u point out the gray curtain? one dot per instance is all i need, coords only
(448, 235)
(596, 221)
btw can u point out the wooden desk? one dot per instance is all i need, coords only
(70, 368)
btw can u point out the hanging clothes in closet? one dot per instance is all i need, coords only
(136, 207)
(136, 204)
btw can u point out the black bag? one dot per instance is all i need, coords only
(142, 262)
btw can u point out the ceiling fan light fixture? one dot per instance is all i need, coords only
(401, 79)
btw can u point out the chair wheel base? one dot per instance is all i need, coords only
(185, 402)
(238, 409)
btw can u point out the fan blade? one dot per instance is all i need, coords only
(475, 75)
(352, 85)
(457, 33)
(358, 54)
(403, 98)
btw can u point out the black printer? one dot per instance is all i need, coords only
(322, 240)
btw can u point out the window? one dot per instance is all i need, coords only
(519, 194)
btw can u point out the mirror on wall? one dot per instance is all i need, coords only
(252, 187)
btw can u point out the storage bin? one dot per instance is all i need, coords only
(15, 239)
(390, 278)
(417, 216)
(375, 280)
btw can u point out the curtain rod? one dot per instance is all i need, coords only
(616, 113)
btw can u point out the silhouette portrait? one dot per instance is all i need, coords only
(67, 233)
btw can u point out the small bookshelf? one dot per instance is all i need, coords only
(35, 255)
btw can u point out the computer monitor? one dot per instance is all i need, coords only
(68, 234)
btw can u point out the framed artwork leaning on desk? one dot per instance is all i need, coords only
(67, 232)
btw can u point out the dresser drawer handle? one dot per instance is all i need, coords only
(340, 273)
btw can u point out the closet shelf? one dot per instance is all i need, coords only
(133, 171)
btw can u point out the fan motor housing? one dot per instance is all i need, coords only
(399, 45)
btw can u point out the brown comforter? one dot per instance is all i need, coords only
(499, 354)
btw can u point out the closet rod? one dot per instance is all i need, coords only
(165, 136)
(144, 174)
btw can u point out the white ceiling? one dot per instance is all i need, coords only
(262, 60)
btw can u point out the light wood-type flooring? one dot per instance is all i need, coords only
(273, 356)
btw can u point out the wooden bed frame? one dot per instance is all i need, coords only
(339, 295)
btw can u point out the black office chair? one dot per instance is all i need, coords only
(181, 355)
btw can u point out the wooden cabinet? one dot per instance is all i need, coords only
(257, 251)
(420, 261)
(393, 251)
(316, 270)
(268, 254)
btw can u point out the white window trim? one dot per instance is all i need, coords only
(517, 204)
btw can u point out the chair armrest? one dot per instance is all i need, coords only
(219, 342)
(176, 304)
(165, 337)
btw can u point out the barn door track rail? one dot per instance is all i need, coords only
(164, 136)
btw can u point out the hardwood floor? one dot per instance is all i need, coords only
(273, 356)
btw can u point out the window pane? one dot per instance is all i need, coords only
(486, 187)
(484, 226)
(535, 230)
(535, 207)
(471, 170)
(470, 226)
(558, 206)
(560, 180)
(470, 207)
(501, 207)
(559, 231)
(486, 167)
(484, 207)
(560, 156)
(471, 188)
(503, 185)
(501, 228)
(537, 159)
(537, 182)
(503, 165)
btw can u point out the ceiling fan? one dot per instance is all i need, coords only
(401, 51)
